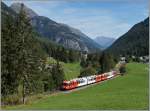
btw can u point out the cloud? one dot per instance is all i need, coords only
(74, 11)
(69, 11)
(146, 12)
(98, 25)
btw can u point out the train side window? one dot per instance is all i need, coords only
(78, 81)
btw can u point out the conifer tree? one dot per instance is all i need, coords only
(28, 62)
(107, 62)
(58, 75)
(9, 54)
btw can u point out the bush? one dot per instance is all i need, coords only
(11, 100)
(32, 98)
(122, 70)
(87, 72)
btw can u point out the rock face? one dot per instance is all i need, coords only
(60, 33)
(134, 42)
(104, 41)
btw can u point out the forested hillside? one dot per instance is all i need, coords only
(134, 42)
(24, 59)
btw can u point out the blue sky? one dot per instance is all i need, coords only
(110, 18)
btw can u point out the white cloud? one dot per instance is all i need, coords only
(69, 11)
(98, 25)
(146, 13)
(84, 11)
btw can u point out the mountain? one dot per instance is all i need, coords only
(41, 46)
(16, 7)
(60, 33)
(133, 42)
(6, 11)
(104, 41)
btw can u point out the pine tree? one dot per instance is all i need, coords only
(9, 58)
(28, 61)
(72, 56)
(58, 75)
(107, 62)
(83, 62)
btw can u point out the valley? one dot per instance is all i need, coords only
(74, 55)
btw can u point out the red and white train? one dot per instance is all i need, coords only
(78, 82)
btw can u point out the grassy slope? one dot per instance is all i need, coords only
(71, 70)
(124, 92)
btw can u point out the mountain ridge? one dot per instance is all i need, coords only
(62, 34)
(104, 41)
(134, 42)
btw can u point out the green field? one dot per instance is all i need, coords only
(124, 92)
(71, 70)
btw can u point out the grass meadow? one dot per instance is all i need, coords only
(124, 92)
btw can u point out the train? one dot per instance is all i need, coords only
(83, 81)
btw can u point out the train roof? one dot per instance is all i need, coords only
(75, 79)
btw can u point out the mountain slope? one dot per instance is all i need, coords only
(134, 42)
(60, 33)
(104, 41)
(43, 46)
(6, 11)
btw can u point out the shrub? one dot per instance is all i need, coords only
(31, 98)
(87, 72)
(122, 70)
(11, 100)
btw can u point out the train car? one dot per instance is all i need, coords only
(104, 77)
(98, 78)
(110, 75)
(74, 83)
(67, 85)
(81, 81)
(91, 79)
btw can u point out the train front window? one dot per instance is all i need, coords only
(65, 84)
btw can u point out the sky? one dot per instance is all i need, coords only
(109, 18)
